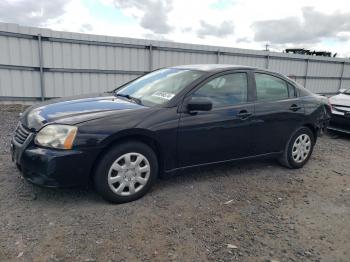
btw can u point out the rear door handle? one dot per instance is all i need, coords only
(243, 114)
(294, 107)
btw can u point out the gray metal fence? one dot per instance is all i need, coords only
(37, 64)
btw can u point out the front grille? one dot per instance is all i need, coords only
(21, 134)
(341, 108)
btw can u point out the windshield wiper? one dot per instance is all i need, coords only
(136, 100)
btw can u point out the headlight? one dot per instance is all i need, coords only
(57, 136)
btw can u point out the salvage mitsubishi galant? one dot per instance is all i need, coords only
(170, 119)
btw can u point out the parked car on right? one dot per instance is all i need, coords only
(340, 105)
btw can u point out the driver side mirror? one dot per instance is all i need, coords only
(199, 104)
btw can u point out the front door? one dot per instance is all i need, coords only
(224, 132)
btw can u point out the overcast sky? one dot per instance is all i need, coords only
(320, 25)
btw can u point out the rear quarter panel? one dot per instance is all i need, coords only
(316, 111)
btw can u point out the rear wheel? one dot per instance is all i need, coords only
(298, 149)
(126, 172)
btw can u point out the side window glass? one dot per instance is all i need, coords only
(291, 90)
(226, 90)
(269, 88)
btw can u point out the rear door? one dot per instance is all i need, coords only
(278, 112)
(224, 132)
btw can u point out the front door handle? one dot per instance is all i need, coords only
(243, 114)
(294, 107)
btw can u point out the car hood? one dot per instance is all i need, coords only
(340, 99)
(74, 110)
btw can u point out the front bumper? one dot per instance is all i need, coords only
(340, 123)
(53, 168)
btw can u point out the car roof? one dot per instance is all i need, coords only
(213, 67)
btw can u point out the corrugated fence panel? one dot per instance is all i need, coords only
(346, 84)
(323, 85)
(171, 58)
(19, 83)
(68, 84)
(82, 56)
(74, 63)
(324, 69)
(346, 70)
(18, 51)
(288, 67)
(241, 60)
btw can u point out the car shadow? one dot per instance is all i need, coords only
(338, 135)
(248, 168)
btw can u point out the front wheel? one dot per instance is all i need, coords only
(298, 149)
(126, 172)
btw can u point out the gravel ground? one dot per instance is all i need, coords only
(251, 211)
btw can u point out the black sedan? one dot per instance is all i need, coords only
(170, 119)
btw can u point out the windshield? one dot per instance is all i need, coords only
(347, 92)
(160, 86)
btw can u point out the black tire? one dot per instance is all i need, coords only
(101, 173)
(287, 158)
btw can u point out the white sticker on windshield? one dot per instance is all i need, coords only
(163, 95)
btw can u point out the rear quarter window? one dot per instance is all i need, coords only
(292, 91)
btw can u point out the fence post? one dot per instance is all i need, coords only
(150, 58)
(267, 61)
(41, 70)
(306, 71)
(341, 76)
(218, 57)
